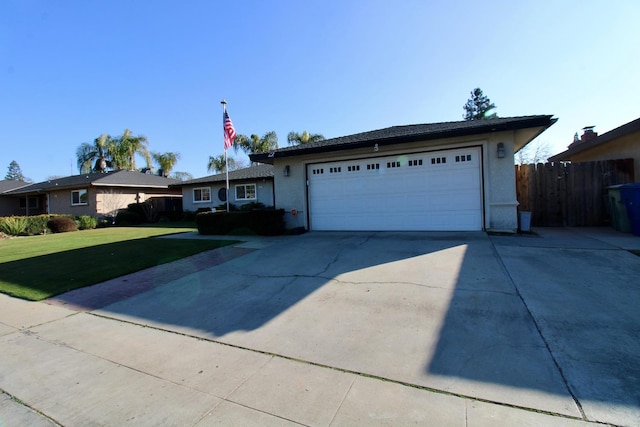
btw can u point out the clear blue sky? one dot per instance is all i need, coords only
(71, 70)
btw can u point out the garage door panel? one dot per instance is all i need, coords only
(424, 191)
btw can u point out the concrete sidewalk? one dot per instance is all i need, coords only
(78, 369)
(333, 329)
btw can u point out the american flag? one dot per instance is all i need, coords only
(229, 131)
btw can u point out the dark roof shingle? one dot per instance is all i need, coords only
(408, 133)
(252, 172)
(120, 178)
(8, 185)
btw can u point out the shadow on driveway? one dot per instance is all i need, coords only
(436, 310)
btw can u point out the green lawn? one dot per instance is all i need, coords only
(38, 267)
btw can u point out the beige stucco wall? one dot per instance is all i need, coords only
(60, 203)
(498, 177)
(264, 194)
(625, 147)
(500, 201)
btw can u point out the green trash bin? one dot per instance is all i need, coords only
(618, 210)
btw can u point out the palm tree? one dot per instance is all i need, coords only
(96, 157)
(166, 161)
(217, 163)
(182, 176)
(127, 146)
(255, 144)
(303, 138)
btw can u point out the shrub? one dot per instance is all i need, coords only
(13, 225)
(144, 210)
(188, 216)
(252, 206)
(127, 217)
(87, 222)
(62, 224)
(223, 207)
(37, 224)
(263, 222)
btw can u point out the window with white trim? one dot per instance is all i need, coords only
(246, 192)
(201, 195)
(79, 197)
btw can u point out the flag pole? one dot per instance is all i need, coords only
(226, 163)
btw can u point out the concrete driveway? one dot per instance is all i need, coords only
(342, 329)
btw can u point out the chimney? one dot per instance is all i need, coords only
(588, 134)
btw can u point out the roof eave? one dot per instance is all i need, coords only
(95, 184)
(612, 135)
(542, 121)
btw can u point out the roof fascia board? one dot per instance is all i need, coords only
(543, 122)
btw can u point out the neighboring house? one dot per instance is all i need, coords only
(620, 143)
(7, 204)
(95, 194)
(442, 176)
(252, 184)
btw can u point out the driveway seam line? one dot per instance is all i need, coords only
(24, 404)
(263, 412)
(538, 328)
(335, 414)
(347, 371)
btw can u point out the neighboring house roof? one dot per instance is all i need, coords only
(408, 133)
(120, 178)
(252, 172)
(633, 126)
(8, 185)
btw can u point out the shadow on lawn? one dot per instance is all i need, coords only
(43, 276)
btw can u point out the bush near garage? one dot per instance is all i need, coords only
(127, 217)
(62, 224)
(265, 222)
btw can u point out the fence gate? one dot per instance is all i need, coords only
(569, 194)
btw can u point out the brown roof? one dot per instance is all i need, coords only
(633, 126)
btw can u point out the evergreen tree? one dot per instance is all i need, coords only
(14, 173)
(479, 107)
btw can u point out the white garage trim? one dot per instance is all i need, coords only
(436, 190)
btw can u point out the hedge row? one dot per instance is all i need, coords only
(42, 224)
(265, 222)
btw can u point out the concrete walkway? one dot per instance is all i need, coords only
(445, 329)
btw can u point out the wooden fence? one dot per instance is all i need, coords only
(569, 194)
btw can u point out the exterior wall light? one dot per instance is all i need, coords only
(500, 150)
(286, 170)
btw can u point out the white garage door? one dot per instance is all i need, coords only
(425, 191)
